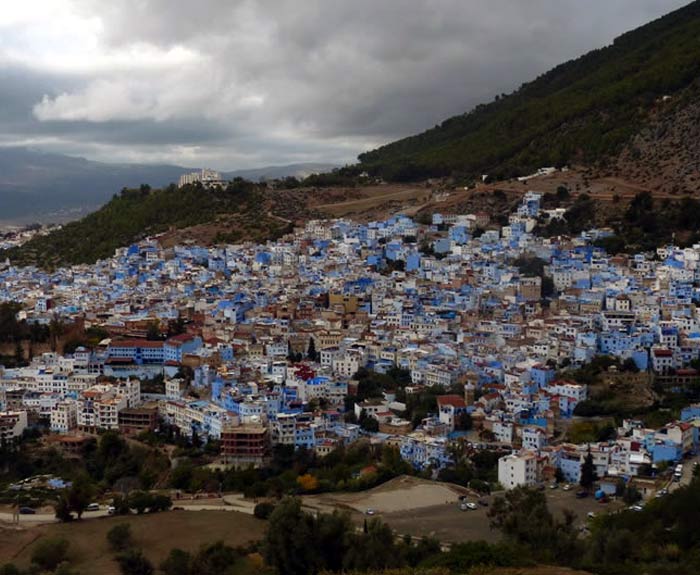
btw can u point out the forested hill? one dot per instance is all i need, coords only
(583, 111)
(237, 212)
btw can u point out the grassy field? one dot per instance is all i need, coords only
(157, 534)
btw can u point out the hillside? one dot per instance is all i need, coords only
(236, 213)
(583, 111)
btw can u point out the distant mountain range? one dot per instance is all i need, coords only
(298, 171)
(39, 186)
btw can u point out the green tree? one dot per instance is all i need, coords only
(332, 539)
(56, 329)
(375, 549)
(80, 495)
(160, 502)
(288, 544)
(311, 351)
(631, 495)
(264, 510)
(121, 505)
(62, 508)
(523, 517)
(153, 330)
(140, 501)
(49, 553)
(463, 421)
(368, 423)
(563, 193)
(588, 475)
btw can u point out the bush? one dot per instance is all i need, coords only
(119, 537)
(263, 510)
(160, 503)
(140, 501)
(121, 505)
(214, 559)
(49, 553)
(65, 569)
(631, 495)
(176, 563)
(480, 486)
(134, 563)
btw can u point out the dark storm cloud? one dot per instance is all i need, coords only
(235, 84)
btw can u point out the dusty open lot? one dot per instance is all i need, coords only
(156, 534)
(427, 508)
(374, 201)
(400, 494)
(448, 523)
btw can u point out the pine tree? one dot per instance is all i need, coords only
(311, 352)
(588, 475)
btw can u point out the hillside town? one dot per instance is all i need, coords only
(265, 345)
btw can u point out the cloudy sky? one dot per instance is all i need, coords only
(234, 84)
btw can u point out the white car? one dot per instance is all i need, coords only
(591, 515)
(370, 511)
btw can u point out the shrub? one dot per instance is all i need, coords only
(176, 563)
(119, 537)
(263, 510)
(134, 563)
(49, 553)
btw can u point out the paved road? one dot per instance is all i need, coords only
(687, 477)
(231, 503)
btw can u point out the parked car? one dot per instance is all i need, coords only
(111, 509)
(26, 511)
(370, 511)
(567, 487)
(591, 515)
(553, 486)
(472, 506)
(636, 508)
(581, 494)
(93, 507)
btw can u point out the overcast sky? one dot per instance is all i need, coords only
(233, 84)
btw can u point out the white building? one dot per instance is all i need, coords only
(12, 425)
(515, 470)
(206, 177)
(64, 416)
